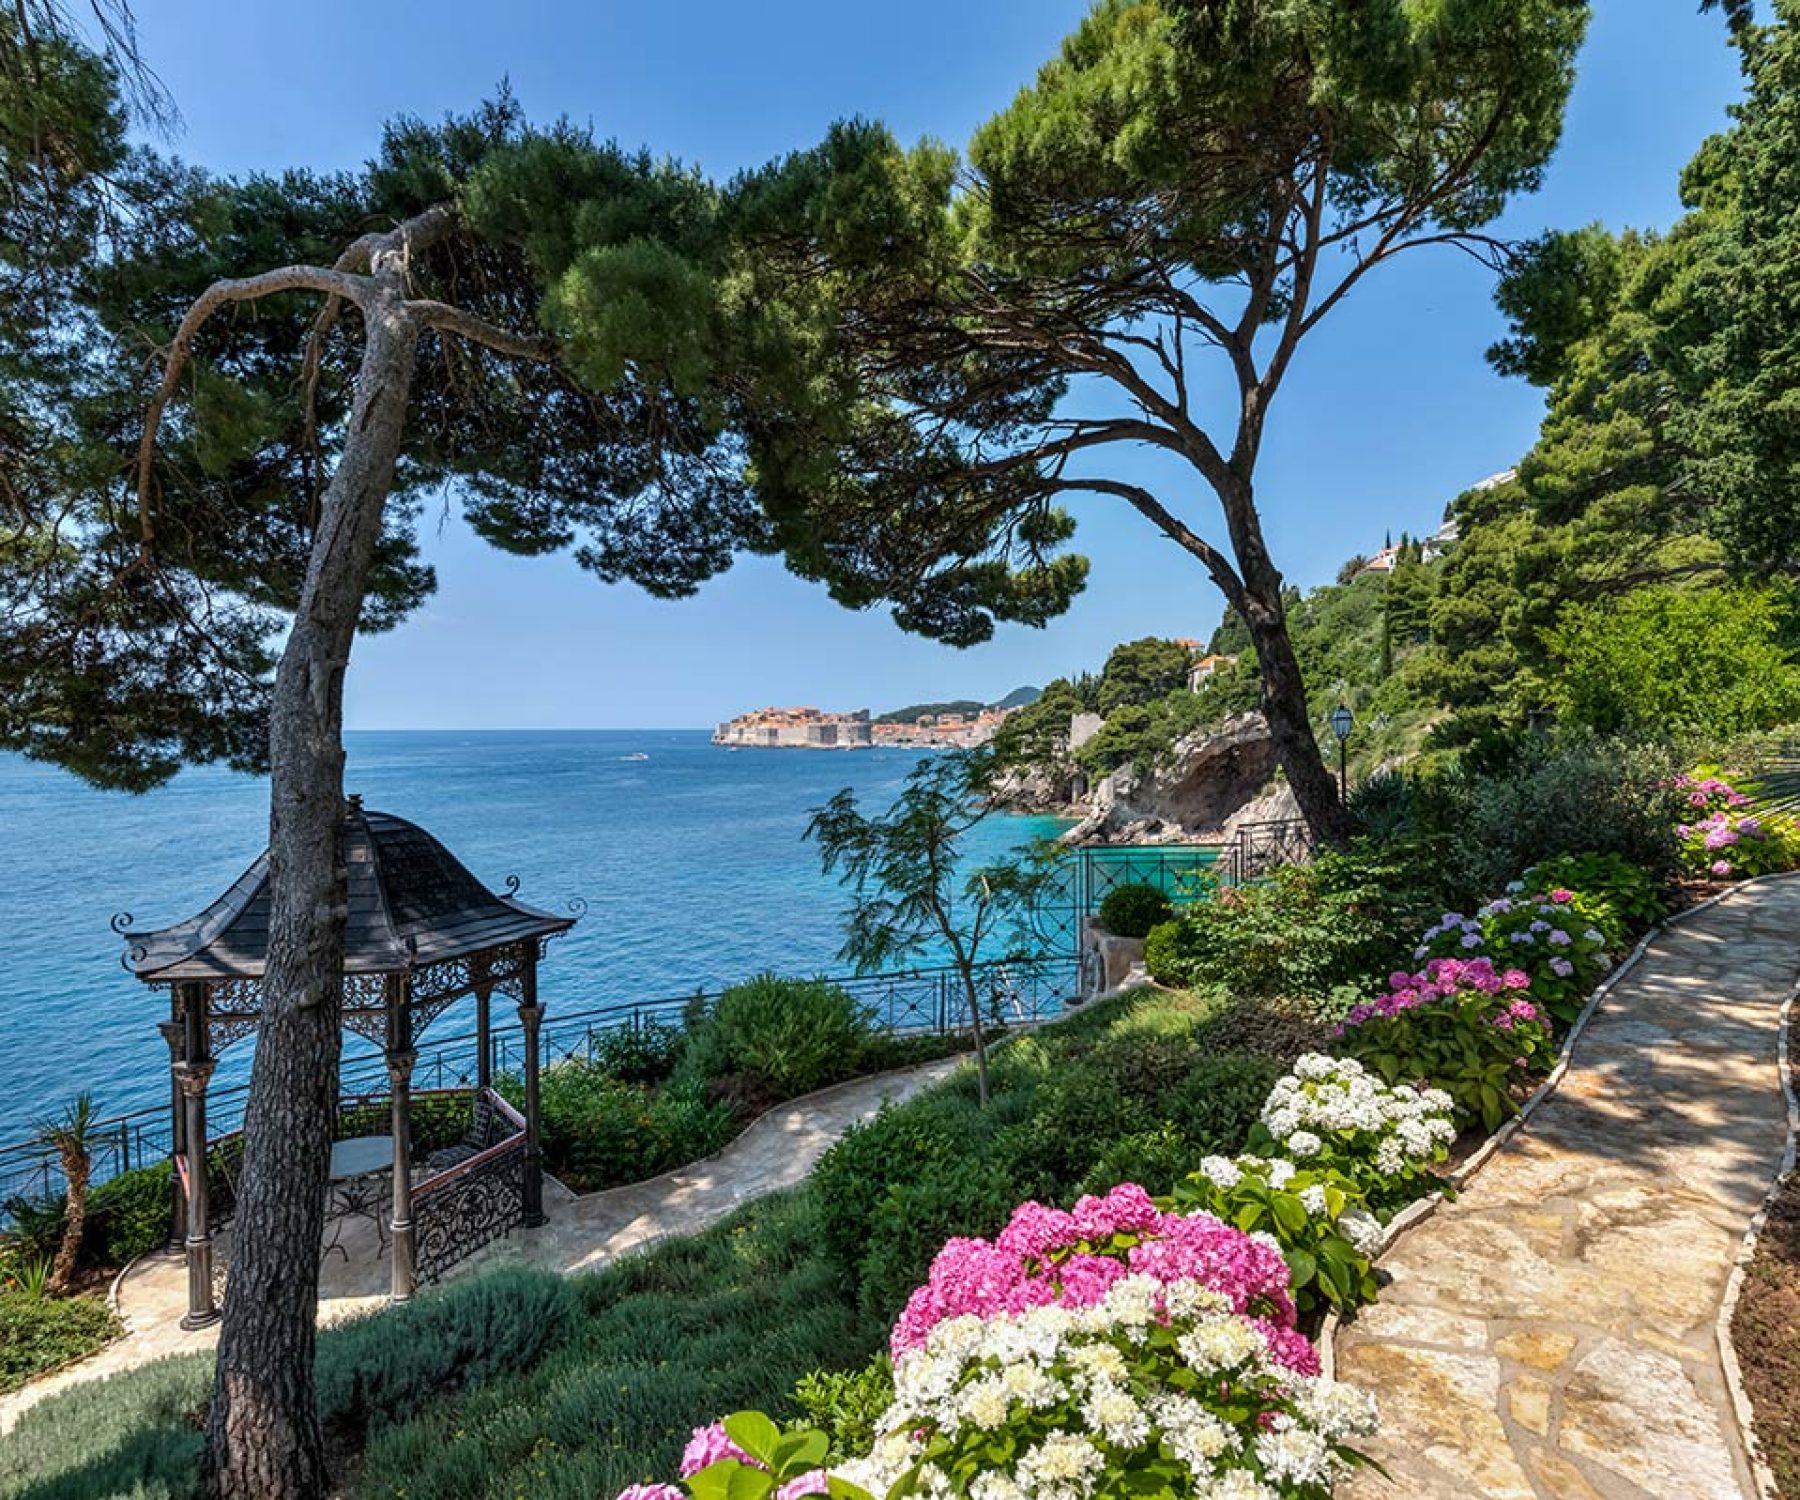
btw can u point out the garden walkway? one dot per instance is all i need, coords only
(584, 1234)
(1551, 1333)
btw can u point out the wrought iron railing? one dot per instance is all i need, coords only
(1261, 848)
(926, 999)
(473, 1203)
(1016, 989)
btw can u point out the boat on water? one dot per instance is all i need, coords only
(635, 755)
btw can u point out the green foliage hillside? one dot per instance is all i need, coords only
(913, 712)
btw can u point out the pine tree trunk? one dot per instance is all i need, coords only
(263, 1436)
(1283, 688)
(1290, 723)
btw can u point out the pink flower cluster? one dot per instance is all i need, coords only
(1709, 792)
(710, 1445)
(1448, 979)
(1047, 1257)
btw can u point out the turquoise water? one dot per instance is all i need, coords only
(691, 864)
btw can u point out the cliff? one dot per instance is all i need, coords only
(1209, 777)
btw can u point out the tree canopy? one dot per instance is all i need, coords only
(1186, 191)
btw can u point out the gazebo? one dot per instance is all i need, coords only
(422, 933)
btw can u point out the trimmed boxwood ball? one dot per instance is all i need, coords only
(1130, 911)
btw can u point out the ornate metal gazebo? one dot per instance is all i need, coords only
(422, 933)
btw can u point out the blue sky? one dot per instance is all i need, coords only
(1389, 411)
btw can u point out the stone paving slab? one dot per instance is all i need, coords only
(1550, 1334)
(584, 1233)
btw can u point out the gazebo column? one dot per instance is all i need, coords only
(400, 1060)
(193, 1073)
(172, 1034)
(482, 972)
(531, 1016)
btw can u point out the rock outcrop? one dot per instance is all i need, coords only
(1206, 782)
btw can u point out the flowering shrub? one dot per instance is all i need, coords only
(1108, 1353)
(1724, 837)
(1160, 1387)
(1552, 937)
(1047, 1257)
(1317, 1215)
(747, 1457)
(1469, 1028)
(1623, 898)
(1331, 1114)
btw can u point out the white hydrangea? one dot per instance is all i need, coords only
(1335, 1100)
(1362, 1229)
(1219, 1344)
(1101, 1397)
(985, 1403)
(1063, 1466)
(1237, 1484)
(1292, 1454)
(1221, 1171)
(1116, 1415)
(1339, 1410)
(1193, 1434)
(1312, 1199)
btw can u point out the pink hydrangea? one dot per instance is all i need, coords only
(1046, 1256)
(812, 1482)
(652, 1492)
(1441, 979)
(710, 1445)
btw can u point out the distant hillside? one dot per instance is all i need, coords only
(1017, 698)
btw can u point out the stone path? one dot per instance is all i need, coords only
(583, 1234)
(1551, 1333)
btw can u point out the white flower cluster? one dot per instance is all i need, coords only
(1357, 1225)
(1090, 1375)
(1335, 1098)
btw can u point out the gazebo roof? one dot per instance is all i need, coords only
(412, 904)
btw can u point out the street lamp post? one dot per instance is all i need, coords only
(1342, 722)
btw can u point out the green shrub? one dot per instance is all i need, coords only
(1623, 899)
(1525, 802)
(1328, 1268)
(383, 1369)
(135, 1436)
(971, 1195)
(790, 1035)
(897, 1148)
(847, 1405)
(1218, 1102)
(725, 1321)
(129, 1215)
(645, 1053)
(1154, 1159)
(41, 1333)
(138, 1434)
(599, 1132)
(1305, 930)
(1130, 911)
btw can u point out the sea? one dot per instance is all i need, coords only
(688, 856)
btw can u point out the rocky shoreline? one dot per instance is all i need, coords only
(1214, 782)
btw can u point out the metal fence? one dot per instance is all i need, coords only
(1013, 990)
(928, 999)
